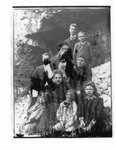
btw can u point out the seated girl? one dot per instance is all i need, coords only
(67, 113)
(37, 120)
(92, 104)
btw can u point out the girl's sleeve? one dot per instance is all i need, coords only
(99, 108)
(80, 110)
(59, 113)
(73, 118)
(74, 109)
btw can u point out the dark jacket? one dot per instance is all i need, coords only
(81, 75)
(71, 43)
(91, 109)
(84, 50)
(39, 78)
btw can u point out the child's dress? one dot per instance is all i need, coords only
(92, 110)
(37, 121)
(66, 114)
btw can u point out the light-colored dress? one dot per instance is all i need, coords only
(67, 115)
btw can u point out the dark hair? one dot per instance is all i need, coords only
(57, 72)
(73, 93)
(92, 84)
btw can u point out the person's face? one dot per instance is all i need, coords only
(89, 91)
(57, 79)
(81, 37)
(80, 62)
(69, 97)
(72, 30)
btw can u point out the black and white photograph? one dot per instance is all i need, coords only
(62, 72)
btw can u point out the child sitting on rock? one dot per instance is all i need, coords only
(67, 113)
(37, 120)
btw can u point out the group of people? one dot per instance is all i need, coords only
(67, 102)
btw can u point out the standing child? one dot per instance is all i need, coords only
(82, 47)
(91, 122)
(67, 113)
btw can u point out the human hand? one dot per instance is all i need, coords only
(82, 124)
(63, 124)
(88, 128)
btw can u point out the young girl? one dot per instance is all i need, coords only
(37, 120)
(92, 106)
(67, 113)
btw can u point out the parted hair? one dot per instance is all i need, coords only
(92, 84)
(57, 72)
(73, 24)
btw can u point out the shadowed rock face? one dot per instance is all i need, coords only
(95, 22)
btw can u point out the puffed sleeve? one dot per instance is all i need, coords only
(60, 113)
(73, 117)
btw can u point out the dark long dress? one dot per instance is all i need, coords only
(92, 110)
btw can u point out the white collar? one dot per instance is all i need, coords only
(73, 37)
(83, 42)
(91, 98)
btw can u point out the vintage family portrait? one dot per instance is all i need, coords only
(62, 81)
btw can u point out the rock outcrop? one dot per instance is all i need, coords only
(102, 78)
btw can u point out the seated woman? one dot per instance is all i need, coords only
(92, 106)
(82, 74)
(67, 113)
(37, 120)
